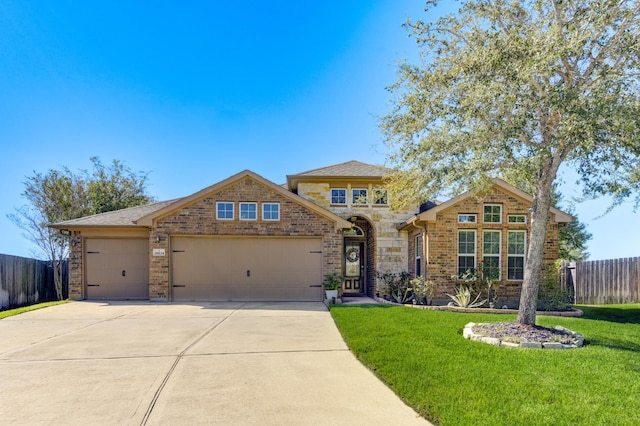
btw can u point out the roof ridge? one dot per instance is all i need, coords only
(332, 165)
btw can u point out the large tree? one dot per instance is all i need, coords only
(524, 86)
(60, 195)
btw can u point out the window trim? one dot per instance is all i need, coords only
(492, 255)
(524, 216)
(345, 197)
(353, 197)
(475, 250)
(233, 210)
(418, 264)
(523, 256)
(255, 212)
(270, 219)
(484, 213)
(468, 215)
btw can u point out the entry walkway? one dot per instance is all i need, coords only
(184, 364)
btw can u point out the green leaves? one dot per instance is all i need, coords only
(504, 83)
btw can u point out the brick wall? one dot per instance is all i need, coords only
(199, 218)
(76, 265)
(442, 243)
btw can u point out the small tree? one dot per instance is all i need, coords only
(61, 195)
(526, 86)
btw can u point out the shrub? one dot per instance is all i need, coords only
(552, 294)
(423, 291)
(396, 286)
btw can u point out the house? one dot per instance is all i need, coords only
(248, 239)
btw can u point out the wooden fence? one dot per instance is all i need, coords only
(27, 281)
(600, 282)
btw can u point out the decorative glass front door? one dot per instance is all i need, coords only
(353, 268)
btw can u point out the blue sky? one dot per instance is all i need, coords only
(194, 92)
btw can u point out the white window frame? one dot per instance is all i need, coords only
(380, 195)
(345, 196)
(264, 212)
(484, 213)
(255, 211)
(498, 255)
(419, 246)
(354, 198)
(219, 204)
(522, 255)
(475, 250)
(464, 218)
(512, 219)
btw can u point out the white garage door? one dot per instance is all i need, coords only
(246, 269)
(117, 269)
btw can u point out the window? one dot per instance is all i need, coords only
(338, 196)
(466, 251)
(517, 218)
(270, 211)
(419, 255)
(492, 213)
(516, 255)
(248, 211)
(224, 211)
(380, 197)
(359, 196)
(491, 244)
(467, 218)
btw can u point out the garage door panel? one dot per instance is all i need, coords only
(241, 269)
(117, 269)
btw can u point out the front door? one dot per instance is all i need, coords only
(353, 267)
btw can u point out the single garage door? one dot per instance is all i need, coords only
(117, 269)
(246, 269)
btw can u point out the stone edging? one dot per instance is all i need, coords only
(468, 333)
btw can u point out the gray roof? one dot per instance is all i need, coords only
(124, 217)
(350, 168)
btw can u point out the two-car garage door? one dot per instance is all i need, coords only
(246, 269)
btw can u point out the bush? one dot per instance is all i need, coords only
(552, 294)
(396, 286)
(422, 290)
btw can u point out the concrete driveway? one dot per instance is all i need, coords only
(211, 363)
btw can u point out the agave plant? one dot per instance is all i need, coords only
(463, 297)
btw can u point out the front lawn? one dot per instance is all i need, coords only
(449, 380)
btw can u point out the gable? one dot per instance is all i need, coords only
(245, 186)
(500, 193)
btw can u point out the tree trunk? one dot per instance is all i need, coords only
(537, 239)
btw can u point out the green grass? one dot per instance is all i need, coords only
(18, 311)
(449, 380)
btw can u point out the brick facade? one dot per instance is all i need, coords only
(441, 242)
(199, 219)
(307, 211)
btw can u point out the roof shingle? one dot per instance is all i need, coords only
(349, 168)
(124, 217)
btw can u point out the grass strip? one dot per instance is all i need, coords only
(18, 311)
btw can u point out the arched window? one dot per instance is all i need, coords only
(355, 231)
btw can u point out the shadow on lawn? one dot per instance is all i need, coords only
(612, 314)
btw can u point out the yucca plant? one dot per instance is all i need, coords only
(463, 297)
